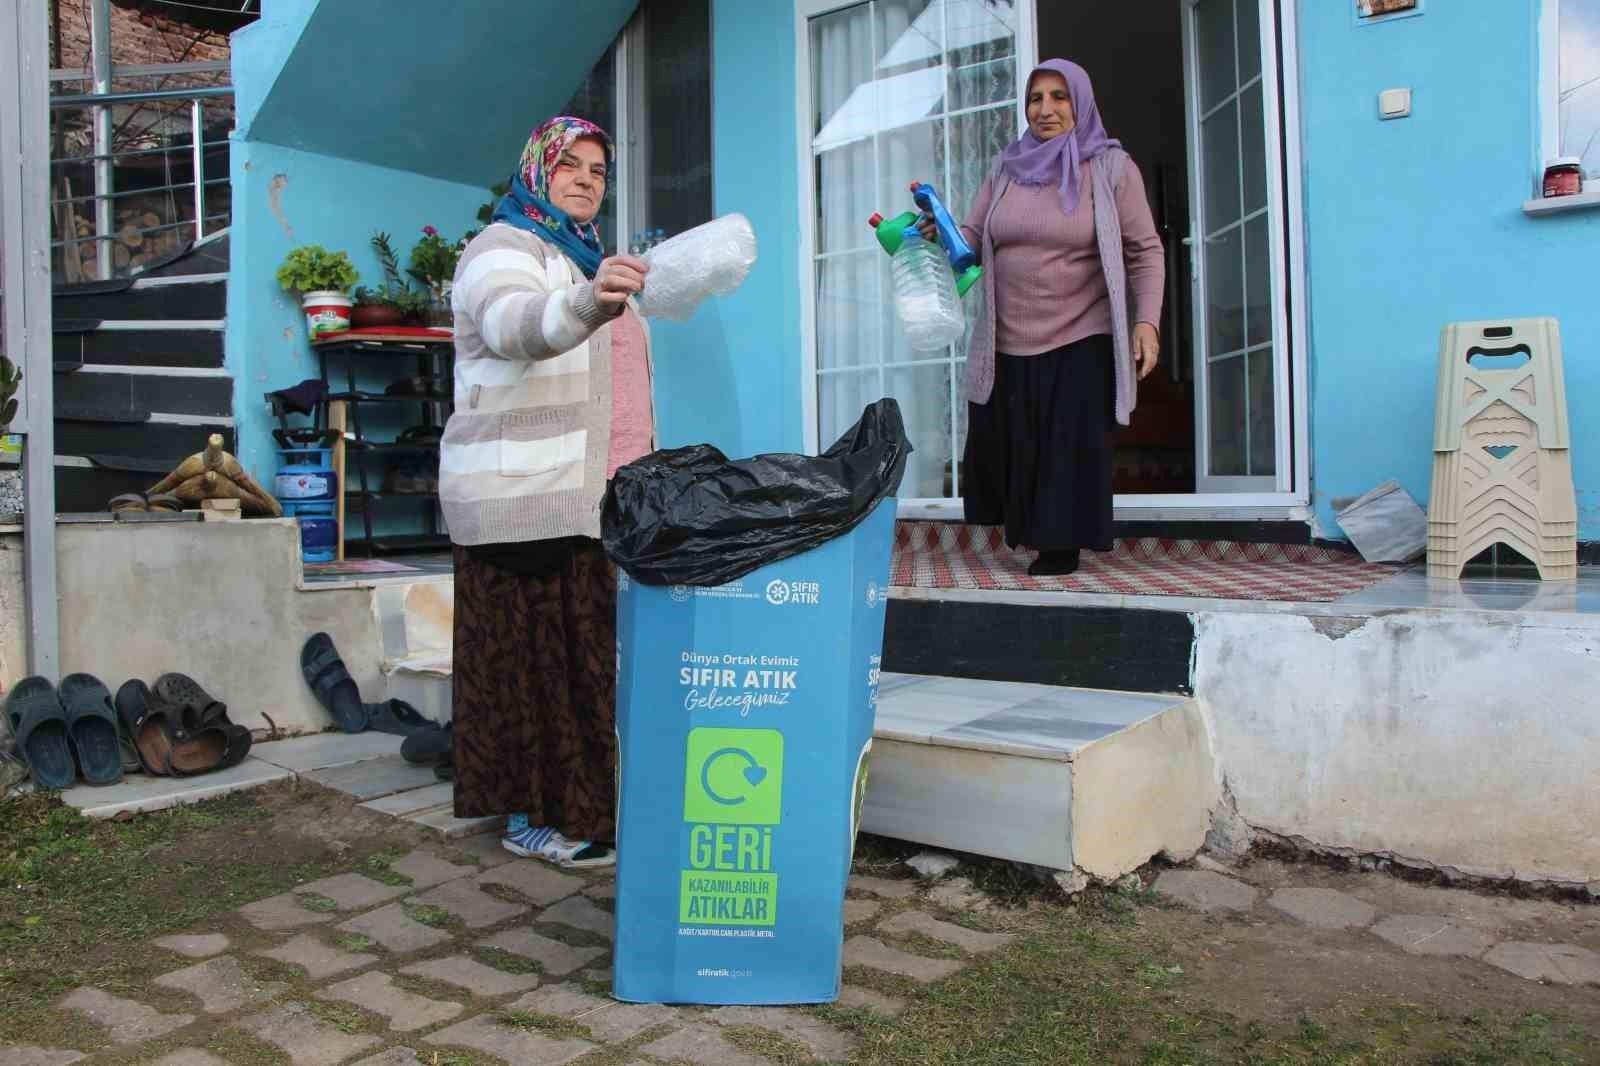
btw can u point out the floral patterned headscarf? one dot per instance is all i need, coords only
(527, 206)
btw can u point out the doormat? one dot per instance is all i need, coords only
(358, 567)
(949, 555)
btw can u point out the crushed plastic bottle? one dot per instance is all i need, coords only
(925, 295)
(710, 260)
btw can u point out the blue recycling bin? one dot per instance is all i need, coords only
(744, 719)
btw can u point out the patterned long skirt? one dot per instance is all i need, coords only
(535, 693)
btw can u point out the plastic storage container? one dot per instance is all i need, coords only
(925, 294)
(319, 530)
(306, 475)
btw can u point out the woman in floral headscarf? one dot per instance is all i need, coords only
(552, 394)
(1071, 255)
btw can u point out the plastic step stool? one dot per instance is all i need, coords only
(1502, 458)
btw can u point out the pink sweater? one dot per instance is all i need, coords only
(632, 418)
(1049, 288)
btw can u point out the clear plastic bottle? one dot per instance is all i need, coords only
(925, 294)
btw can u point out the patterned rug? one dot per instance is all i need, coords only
(949, 555)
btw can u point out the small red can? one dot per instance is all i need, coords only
(1563, 177)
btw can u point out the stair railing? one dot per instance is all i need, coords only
(106, 155)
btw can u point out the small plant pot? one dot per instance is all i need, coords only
(326, 312)
(439, 314)
(376, 316)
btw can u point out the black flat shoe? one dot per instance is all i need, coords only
(1055, 563)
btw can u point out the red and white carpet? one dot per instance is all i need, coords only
(949, 555)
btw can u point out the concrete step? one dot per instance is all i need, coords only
(417, 622)
(1083, 780)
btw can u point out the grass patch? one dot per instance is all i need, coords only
(429, 915)
(1094, 987)
(79, 898)
(345, 1019)
(505, 961)
(355, 942)
(377, 868)
(311, 901)
(428, 987)
(456, 1058)
(245, 1050)
(548, 1024)
(766, 1044)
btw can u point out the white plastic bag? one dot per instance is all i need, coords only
(1386, 525)
(709, 260)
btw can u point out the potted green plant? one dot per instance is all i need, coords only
(433, 263)
(323, 279)
(394, 303)
(10, 381)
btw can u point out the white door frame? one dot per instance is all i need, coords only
(1284, 154)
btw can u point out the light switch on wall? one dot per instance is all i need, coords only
(1394, 103)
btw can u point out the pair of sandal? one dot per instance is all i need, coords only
(62, 733)
(338, 693)
(139, 503)
(177, 729)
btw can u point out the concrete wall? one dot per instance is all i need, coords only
(1465, 740)
(13, 612)
(1417, 222)
(218, 601)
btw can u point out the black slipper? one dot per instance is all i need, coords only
(39, 725)
(397, 717)
(237, 740)
(92, 728)
(1055, 563)
(428, 745)
(332, 684)
(198, 707)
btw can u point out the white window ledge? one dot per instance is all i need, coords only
(1556, 205)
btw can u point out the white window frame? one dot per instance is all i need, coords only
(1293, 500)
(1549, 90)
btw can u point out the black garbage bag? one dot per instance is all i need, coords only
(692, 516)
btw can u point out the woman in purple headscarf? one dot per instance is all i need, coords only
(1073, 272)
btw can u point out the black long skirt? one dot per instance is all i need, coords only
(1038, 454)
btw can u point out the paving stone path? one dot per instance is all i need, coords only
(1416, 934)
(504, 959)
(509, 960)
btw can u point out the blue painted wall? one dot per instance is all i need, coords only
(1417, 222)
(283, 198)
(731, 375)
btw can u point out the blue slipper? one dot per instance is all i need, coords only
(39, 725)
(92, 728)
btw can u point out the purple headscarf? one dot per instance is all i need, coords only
(1030, 161)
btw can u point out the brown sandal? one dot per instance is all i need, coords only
(128, 502)
(147, 726)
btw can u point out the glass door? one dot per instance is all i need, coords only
(1241, 443)
(900, 91)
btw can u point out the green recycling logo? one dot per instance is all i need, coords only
(734, 776)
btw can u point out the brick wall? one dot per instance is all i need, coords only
(136, 37)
